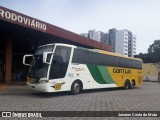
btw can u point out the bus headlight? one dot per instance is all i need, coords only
(43, 81)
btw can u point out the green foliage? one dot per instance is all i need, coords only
(155, 47)
(153, 55)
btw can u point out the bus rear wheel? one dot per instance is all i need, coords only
(75, 89)
(126, 84)
(132, 85)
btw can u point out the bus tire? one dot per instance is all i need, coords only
(126, 84)
(132, 85)
(75, 88)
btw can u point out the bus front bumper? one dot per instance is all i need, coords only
(46, 87)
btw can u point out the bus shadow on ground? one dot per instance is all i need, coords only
(58, 94)
(101, 90)
(32, 93)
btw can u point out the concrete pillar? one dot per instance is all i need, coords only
(1, 64)
(8, 62)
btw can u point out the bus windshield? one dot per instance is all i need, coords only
(38, 68)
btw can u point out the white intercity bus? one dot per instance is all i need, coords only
(62, 67)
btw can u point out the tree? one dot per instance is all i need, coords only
(155, 47)
(146, 57)
(154, 50)
(153, 55)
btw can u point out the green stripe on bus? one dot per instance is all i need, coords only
(96, 74)
(105, 74)
(100, 74)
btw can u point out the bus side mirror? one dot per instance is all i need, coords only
(47, 57)
(27, 59)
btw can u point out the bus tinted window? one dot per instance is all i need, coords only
(89, 57)
(109, 60)
(60, 62)
(80, 56)
(94, 58)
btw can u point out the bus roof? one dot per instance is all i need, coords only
(93, 50)
(62, 44)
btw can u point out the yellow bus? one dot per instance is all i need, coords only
(62, 67)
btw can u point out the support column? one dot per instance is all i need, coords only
(8, 62)
(1, 60)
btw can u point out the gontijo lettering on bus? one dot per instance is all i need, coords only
(118, 70)
(22, 20)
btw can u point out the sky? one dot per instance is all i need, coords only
(141, 17)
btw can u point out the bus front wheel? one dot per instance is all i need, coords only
(75, 89)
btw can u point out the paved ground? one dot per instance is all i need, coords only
(21, 98)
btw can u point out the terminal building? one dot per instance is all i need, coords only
(21, 34)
